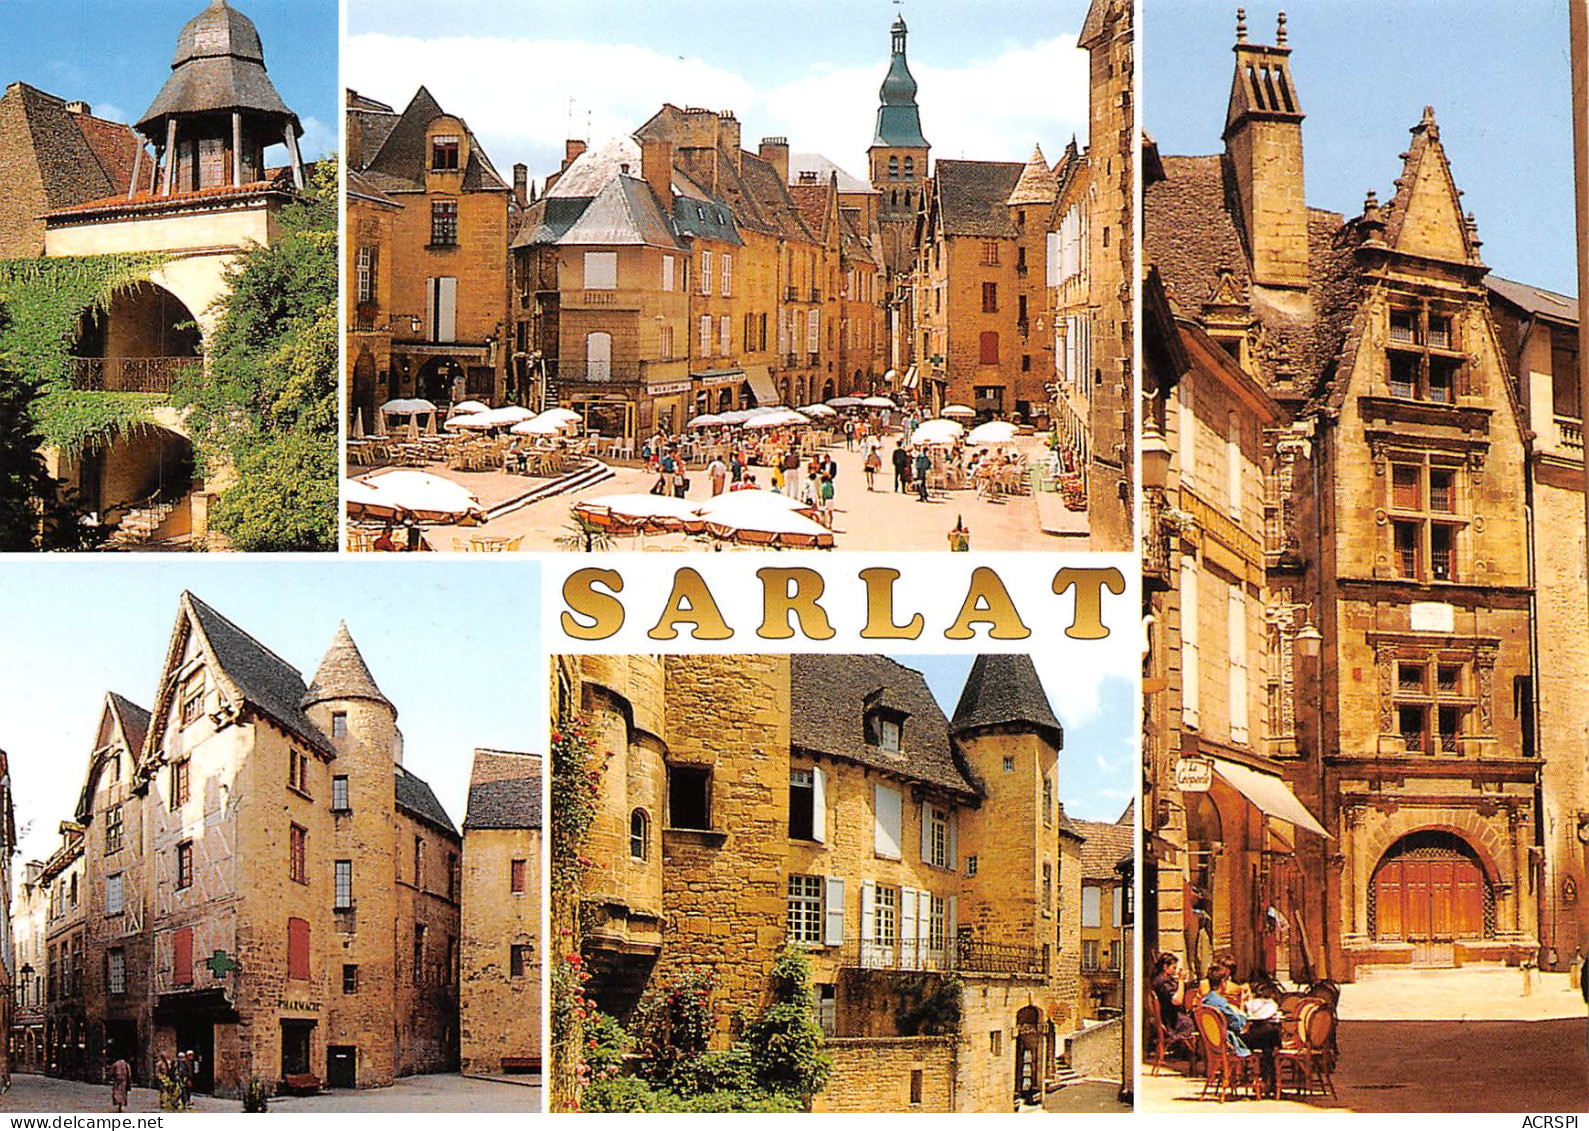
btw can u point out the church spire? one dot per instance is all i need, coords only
(898, 118)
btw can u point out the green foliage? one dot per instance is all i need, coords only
(582, 534)
(632, 1094)
(576, 779)
(256, 1095)
(929, 1005)
(785, 1042)
(674, 1025)
(268, 404)
(725, 1070)
(606, 1044)
(44, 300)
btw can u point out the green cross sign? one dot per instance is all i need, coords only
(221, 964)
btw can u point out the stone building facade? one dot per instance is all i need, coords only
(430, 219)
(826, 802)
(1396, 542)
(1105, 945)
(188, 182)
(29, 919)
(499, 978)
(252, 875)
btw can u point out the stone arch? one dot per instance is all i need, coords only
(362, 393)
(1468, 826)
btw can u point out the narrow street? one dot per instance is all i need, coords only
(437, 1093)
(1436, 1040)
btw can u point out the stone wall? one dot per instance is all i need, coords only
(875, 1074)
(499, 1015)
(1094, 1052)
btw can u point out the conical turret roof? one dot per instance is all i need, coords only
(219, 65)
(1004, 691)
(1037, 185)
(343, 674)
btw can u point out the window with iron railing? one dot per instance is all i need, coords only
(443, 223)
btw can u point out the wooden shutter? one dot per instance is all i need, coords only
(954, 839)
(833, 912)
(887, 806)
(907, 928)
(868, 922)
(1189, 645)
(819, 806)
(1237, 616)
(298, 950)
(951, 928)
(926, 832)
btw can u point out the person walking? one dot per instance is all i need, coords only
(120, 1083)
(923, 465)
(873, 462)
(717, 472)
(849, 435)
(901, 460)
(826, 501)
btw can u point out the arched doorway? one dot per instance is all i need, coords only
(827, 390)
(136, 471)
(363, 391)
(437, 379)
(142, 341)
(1430, 890)
(1028, 1054)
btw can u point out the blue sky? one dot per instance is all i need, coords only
(115, 54)
(1096, 778)
(1496, 74)
(454, 646)
(995, 76)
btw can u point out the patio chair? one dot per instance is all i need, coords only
(513, 544)
(1163, 1041)
(1226, 1070)
(1308, 1055)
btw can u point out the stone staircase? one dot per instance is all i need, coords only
(138, 525)
(587, 475)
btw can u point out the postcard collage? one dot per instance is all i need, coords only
(899, 556)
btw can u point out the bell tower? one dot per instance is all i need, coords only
(218, 111)
(898, 154)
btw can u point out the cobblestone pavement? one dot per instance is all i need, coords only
(440, 1093)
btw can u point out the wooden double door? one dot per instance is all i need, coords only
(1429, 900)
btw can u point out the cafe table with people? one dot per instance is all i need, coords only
(1247, 1038)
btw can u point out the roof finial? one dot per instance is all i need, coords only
(1280, 31)
(1241, 25)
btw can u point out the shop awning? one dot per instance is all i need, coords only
(1269, 793)
(761, 384)
(912, 378)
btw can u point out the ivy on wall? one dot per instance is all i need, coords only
(44, 300)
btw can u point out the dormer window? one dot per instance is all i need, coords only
(885, 729)
(192, 698)
(444, 153)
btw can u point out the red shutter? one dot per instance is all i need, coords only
(298, 950)
(518, 877)
(182, 957)
(989, 343)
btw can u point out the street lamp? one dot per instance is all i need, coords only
(1308, 640)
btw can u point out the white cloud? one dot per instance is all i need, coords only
(987, 109)
(110, 112)
(318, 140)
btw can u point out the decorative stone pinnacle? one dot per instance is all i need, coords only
(1280, 31)
(1241, 25)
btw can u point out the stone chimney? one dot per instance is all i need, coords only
(656, 167)
(78, 107)
(521, 183)
(728, 135)
(572, 148)
(775, 151)
(1263, 141)
(699, 163)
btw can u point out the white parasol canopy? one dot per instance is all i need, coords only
(763, 518)
(426, 497)
(408, 407)
(536, 427)
(878, 402)
(817, 410)
(656, 512)
(470, 406)
(708, 420)
(939, 433)
(993, 432)
(782, 418)
(471, 421)
(843, 402)
(958, 410)
(561, 415)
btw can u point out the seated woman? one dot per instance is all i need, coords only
(1171, 992)
(1244, 1034)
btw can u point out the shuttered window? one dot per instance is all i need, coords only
(298, 950)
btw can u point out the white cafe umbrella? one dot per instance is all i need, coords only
(817, 410)
(652, 512)
(878, 402)
(536, 427)
(562, 415)
(940, 433)
(470, 406)
(784, 418)
(427, 497)
(993, 432)
(708, 420)
(843, 402)
(407, 407)
(762, 518)
(472, 422)
(958, 410)
(512, 414)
